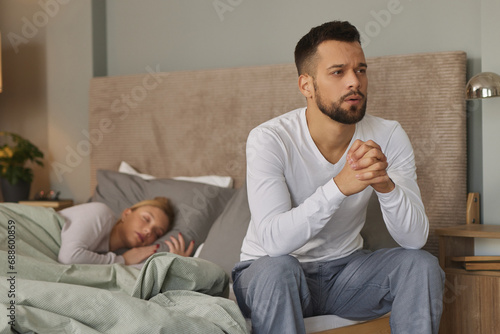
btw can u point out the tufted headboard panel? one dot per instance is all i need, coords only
(196, 122)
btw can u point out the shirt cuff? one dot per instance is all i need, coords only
(332, 193)
(120, 259)
(393, 196)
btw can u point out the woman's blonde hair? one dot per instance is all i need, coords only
(162, 203)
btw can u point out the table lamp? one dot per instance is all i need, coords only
(483, 85)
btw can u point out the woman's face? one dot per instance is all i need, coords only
(144, 225)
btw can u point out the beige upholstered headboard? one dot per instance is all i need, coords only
(196, 123)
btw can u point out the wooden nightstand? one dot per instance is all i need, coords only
(56, 205)
(472, 297)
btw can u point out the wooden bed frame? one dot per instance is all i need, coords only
(377, 326)
(196, 122)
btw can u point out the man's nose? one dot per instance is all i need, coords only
(352, 80)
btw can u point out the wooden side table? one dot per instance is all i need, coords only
(472, 297)
(56, 205)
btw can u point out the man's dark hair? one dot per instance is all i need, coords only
(306, 48)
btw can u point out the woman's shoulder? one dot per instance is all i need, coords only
(86, 230)
(94, 206)
(95, 209)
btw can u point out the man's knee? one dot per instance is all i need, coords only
(268, 276)
(423, 262)
(284, 260)
(422, 259)
(277, 268)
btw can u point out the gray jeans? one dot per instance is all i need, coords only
(276, 293)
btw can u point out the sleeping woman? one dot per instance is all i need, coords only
(93, 234)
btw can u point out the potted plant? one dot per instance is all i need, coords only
(16, 178)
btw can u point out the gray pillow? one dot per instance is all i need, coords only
(223, 243)
(196, 205)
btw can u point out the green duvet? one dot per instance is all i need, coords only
(170, 294)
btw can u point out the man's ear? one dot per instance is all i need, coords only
(306, 85)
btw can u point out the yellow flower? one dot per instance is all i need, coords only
(6, 152)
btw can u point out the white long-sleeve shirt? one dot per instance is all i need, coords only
(296, 207)
(85, 235)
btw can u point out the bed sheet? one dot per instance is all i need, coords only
(38, 295)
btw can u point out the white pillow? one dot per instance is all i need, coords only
(215, 180)
(198, 250)
(127, 169)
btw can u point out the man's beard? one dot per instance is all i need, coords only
(339, 114)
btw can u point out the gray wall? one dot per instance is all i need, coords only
(187, 35)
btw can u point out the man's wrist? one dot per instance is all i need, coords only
(384, 188)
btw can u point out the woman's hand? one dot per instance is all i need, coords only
(139, 254)
(179, 246)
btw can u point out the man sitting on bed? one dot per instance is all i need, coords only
(310, 174)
